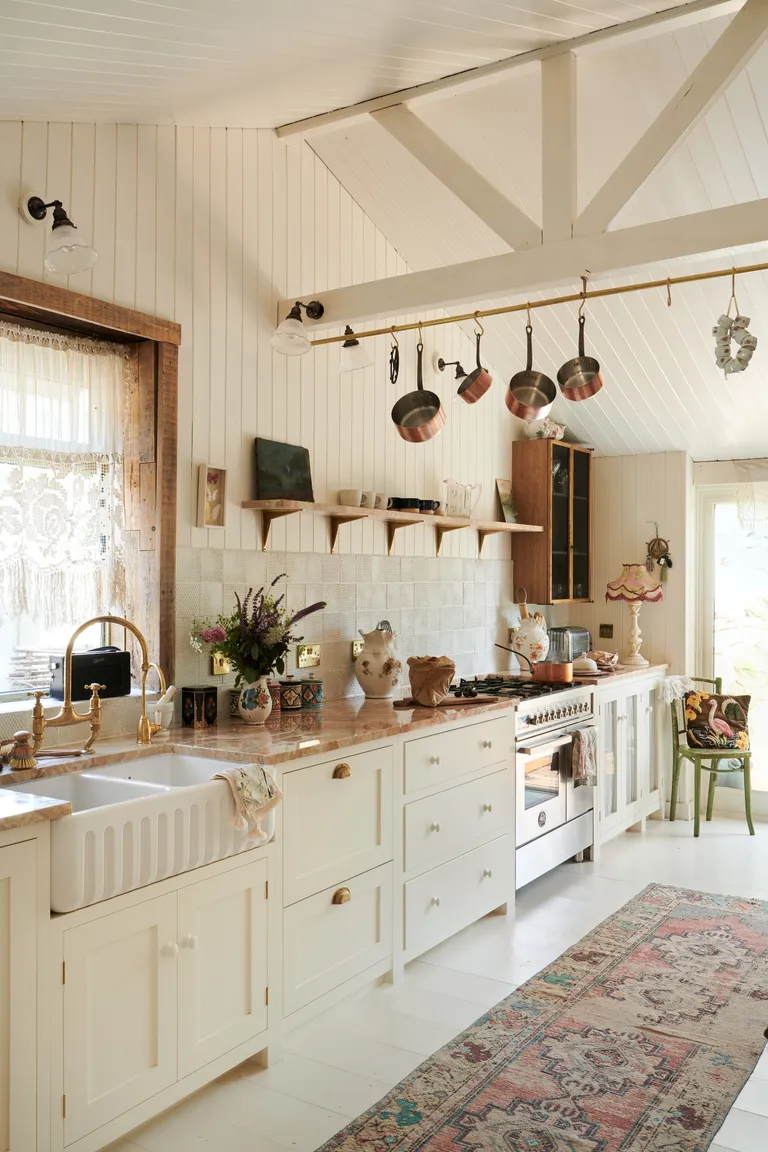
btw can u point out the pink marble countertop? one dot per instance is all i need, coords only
(19, 808)
(619, 672)
(286, 736)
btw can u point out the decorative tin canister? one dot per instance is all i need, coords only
(234, 700)
(290, 694)
(199, 707)
(311, 693)
(274, 688)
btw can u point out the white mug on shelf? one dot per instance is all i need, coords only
(351, 497)
(370, 500)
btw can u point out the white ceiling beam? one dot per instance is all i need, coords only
(470, 186)
(725, 59)
(527, 271)
(669, 20)
(558, 146)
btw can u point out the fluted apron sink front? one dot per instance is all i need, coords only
(138, 821)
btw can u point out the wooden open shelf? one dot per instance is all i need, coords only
(395, 520)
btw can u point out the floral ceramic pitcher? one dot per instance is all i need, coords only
(530, 638)
(378, 666)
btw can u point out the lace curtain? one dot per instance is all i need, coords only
(752, 496)
(61, 476)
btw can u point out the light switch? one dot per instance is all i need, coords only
(307, 655)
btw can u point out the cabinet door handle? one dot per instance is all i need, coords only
(487, 873)
(435, 901)
(170, 949)
(487, 807)
(342, 772)
(487, 744)
(189, 942)
(341, 896)
(434, 759)
(434, 827)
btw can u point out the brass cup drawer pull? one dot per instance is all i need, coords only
(341, 896)
(342, 772)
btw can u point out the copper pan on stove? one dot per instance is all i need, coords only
(546, 671)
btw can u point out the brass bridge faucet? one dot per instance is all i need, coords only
(67, 715)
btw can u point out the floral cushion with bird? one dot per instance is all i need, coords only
(717, 721)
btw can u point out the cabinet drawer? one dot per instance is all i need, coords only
(446, 755)
(337, 821)
(327, 943)
(448, 898)
(449, 823)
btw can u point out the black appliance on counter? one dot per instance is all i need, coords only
(108, 666)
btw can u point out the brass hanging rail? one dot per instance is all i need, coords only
(592, 294)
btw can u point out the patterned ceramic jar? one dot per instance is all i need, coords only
(234, 700)
(290, 694)
(274, 688)
(199, 707)
(311, 693)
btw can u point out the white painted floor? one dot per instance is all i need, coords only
(343, 1062)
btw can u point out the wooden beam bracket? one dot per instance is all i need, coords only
(267, 516)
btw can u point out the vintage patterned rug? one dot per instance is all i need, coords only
(637, 1039)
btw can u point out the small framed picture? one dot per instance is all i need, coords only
(508, 510)
(211, 497)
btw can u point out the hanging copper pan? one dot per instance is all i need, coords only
(475, 386)
(530, 394)
(419, 415)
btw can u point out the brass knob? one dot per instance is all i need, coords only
(342, 772)
(487, 807)
(434, 759)
(341, 896)
(434, 828)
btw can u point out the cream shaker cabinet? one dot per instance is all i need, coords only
(18, 997)
(628, 767)
(156, 990)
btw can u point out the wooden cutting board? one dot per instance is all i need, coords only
(449, 702)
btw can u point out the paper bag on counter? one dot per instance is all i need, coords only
(431, 678)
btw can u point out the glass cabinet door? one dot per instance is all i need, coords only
(562, 479)
(648, 723)
(581, 529)
(629, 735)
(609, 748)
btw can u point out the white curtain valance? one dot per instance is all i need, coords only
(62, 393)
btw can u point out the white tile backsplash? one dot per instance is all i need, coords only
(437, 605)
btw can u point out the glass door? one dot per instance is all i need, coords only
(561, 521)
(580, 532)
(629, 722)
(609, 758)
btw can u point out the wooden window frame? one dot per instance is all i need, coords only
(151, 444)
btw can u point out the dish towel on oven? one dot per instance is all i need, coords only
(584, 757)
(255, 793)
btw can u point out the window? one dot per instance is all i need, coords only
(61, 494)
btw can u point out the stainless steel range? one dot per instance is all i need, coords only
(555, 820)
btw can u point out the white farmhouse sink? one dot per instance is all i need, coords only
(136, 822)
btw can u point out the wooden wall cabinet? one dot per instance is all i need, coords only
(552, 486)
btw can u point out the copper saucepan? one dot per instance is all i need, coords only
(546, 671)
(530, 394)
(419, 415)
(580, 378)
(476, 384)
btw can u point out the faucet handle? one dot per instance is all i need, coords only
(96, 688)
(38, 693)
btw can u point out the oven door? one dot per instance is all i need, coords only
(540, 784)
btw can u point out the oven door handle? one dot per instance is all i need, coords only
(549, 745)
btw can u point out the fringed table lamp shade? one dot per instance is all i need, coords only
(635, 585)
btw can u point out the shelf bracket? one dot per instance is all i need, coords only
(394, 526)
(267, 516)
(337, 521)
(441, 530)
(482, 533)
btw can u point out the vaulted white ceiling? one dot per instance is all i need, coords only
(663, 390)
(258, 63)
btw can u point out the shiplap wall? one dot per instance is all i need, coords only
(210, 227)
(630, 494)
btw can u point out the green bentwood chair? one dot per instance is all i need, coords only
(697, 756)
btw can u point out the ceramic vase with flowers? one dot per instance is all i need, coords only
(255, 638)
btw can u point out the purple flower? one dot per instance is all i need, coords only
(215, 635)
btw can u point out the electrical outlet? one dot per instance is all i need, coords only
(307, 655)
(220, 665)
(357, 647)
(606, 631)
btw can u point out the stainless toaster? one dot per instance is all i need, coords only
(568, 642)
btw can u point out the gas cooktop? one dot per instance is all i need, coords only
(507, 686)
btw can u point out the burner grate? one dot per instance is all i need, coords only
(506, 686)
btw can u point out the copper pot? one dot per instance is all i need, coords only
(580, 378)
(530, 394)
(476, 384)
(546, 671)
(419, 415)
